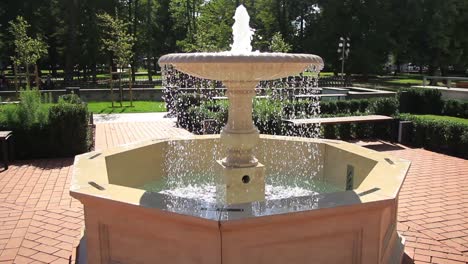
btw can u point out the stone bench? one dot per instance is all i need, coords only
(7, 146)
(339, 120)
(444, 78)
(305, 124)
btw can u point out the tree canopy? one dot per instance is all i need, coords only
(429, 33)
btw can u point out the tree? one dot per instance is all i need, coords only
(184, 14)
(214, 24)
(366, 23)
(119, 43)
(278, 44)
(28, 50)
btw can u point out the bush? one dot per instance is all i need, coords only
(384, 106)
(439, 133)
(69, 128)
(29, 112)
(70, 98)
(381, 106)
(42, 131)
(197, 114)
(455, 108)
(420, 101)
(182, 104)
(267, 116)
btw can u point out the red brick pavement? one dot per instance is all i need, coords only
(433, 206)
(114, 134)
(40, 222)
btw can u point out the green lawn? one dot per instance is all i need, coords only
(444, 118)
(138, 107)
(406, 81)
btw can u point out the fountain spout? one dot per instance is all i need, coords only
(241, 32)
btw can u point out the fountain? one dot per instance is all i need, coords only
(353, 221)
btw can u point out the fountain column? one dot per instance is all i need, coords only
(242, 177)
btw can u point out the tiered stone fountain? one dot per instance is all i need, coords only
(127, 224)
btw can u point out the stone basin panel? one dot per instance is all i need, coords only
(126, 224)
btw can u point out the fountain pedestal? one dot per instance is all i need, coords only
(240, 185)
(241, 177)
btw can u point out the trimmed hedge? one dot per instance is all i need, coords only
(380, 106)
(438, 133)
(268, 116)
(455, 108)
(420, 101)
(429, 102)
(44, 131)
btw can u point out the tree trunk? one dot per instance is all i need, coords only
(28, 83)
(15, 72)
(148, 29)
(130, 91)
(70, 52)
(398, 67)
(155, 65)
(120, 87)
(36, 73)
(134, 64)
(94, 73)
(111, 85)
(431, 71)
(150, 72)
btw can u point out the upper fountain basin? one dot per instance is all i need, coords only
(254, 66)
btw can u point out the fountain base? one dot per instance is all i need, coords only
(127, 224)
(240, 185)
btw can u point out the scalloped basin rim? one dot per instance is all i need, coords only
(241, 67)
(225, 57)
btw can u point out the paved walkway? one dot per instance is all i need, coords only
(40, 222)
(433, 205)
(129, 117)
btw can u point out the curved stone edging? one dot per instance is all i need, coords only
(227, 57)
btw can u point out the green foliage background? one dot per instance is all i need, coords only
(432, 33)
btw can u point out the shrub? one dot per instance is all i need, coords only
(329, 131)
(328, 107)
(42, 131)
(344, 131)
(197, 114)
(29, 112)
(267, 116)
(70, 98)
(420, 101)
(439, 133)
(69, 131)
(455, 108)
(182, 105)
(384, 106)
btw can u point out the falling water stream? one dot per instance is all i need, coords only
(189, 175)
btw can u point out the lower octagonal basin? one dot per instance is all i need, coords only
(326, 202)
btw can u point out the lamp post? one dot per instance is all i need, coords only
(343, 49)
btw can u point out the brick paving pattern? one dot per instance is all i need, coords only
(433, 206)
(114, 134)
(41, 223)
